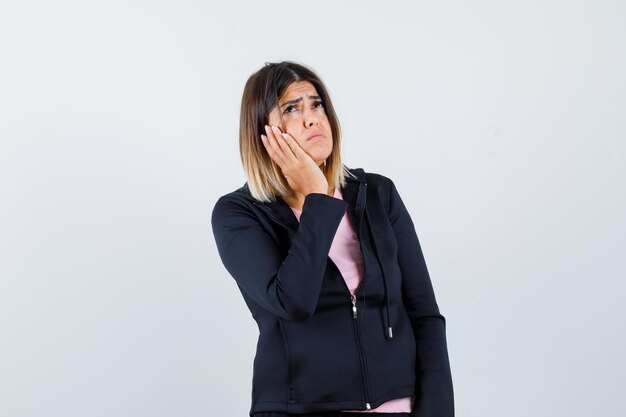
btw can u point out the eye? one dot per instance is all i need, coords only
(290, 109)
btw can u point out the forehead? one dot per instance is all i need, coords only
(299, 88)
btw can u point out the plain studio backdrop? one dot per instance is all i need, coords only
(501, 123)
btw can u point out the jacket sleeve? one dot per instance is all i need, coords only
(287, 286)
(434, 392)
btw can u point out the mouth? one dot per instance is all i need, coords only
(315, 136)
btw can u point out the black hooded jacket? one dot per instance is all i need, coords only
(319, 348)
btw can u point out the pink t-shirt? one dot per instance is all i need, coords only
(345, 251)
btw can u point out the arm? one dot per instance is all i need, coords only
(434, 394)
(287, 286)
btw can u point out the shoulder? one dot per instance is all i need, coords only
(380, 188)
(239, 200)
(380, 184)
(383, 188)
(231, 197)
(372, 179)
(377, 179)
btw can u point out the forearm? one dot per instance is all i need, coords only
(286, 285)
(434, 393)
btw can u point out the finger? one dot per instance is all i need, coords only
(295, 147)
(289, 153)
(275, 151)
(271, 150)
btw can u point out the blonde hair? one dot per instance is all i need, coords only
(260, 95)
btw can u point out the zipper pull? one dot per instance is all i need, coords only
(353, 297)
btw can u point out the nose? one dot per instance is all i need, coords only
(310, 118)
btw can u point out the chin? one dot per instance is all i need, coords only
(319, 156)
(318, 153)
(321, 160)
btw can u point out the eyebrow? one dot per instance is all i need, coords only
(298, 100)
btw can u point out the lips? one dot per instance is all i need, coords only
(315, 135)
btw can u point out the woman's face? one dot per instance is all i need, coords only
(304, 118)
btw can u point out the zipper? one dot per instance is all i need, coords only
(353, 300)
(355, 326)
(360, 350)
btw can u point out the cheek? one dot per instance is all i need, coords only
(273, 120)
(292, 129)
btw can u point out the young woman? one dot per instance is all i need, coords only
(329, 264)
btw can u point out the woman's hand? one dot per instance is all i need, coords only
(301, 171)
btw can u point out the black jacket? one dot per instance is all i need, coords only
(314, 353)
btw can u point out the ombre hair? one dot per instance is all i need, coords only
(260, 96)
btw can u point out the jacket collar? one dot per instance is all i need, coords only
(353, 193)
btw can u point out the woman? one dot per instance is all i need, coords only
(329, 264)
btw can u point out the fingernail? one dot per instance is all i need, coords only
(284, 135)
(263, 138)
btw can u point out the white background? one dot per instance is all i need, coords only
(501, 123)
